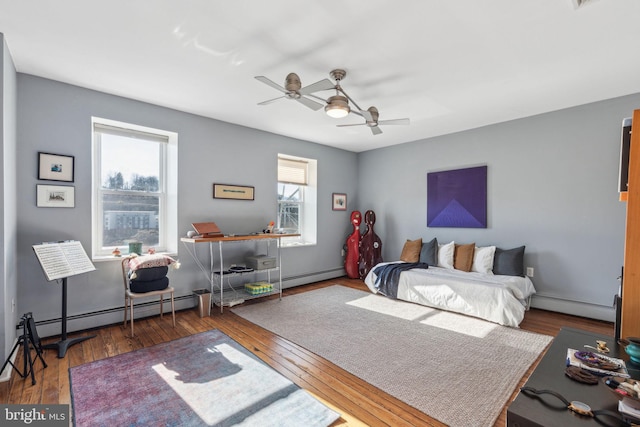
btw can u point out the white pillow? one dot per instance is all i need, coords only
(483, 259)
(445, 255)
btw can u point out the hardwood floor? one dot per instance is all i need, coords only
(358, 402)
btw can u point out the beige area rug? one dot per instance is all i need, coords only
(457, 369)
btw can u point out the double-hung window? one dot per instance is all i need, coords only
(134, 188)
(297, 199)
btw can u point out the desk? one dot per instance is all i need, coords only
(215, 276)
(527, 411)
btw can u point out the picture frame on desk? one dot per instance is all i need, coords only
(234, 192)
(55, 167)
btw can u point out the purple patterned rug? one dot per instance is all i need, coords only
(201, 380)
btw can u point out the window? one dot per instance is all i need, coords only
(297, 199)
(134, 188)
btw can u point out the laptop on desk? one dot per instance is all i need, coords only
(207, 229)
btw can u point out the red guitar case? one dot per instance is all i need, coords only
(370, 246)
(353, 247)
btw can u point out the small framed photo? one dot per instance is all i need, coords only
(55, 196)
(237, 192)
(339, 202)
(55, 167)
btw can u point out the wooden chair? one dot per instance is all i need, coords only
(130, 296)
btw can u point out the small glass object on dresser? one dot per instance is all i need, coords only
(633, 349)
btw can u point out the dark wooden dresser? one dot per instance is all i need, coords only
(548, 411)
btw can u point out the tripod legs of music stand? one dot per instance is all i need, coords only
(26, 341)
(8, 361)
(27, 357)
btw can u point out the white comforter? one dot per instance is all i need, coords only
(498, 299)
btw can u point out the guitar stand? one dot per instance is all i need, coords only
(28, 339)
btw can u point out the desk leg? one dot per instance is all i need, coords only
(65, 342)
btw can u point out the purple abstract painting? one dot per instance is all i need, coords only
(457, 198)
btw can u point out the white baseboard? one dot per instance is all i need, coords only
(582, 309)
(6, 374)
(98, 320)
(312, 278)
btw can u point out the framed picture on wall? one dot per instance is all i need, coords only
(55, 196)
(55, 167)
(237, 192)
(457, 198)
(339, 202)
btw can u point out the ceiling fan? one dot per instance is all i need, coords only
(293, 90)
(371, 120)
(336, 106)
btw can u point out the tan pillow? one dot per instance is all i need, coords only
(411, 251)
(463, 257)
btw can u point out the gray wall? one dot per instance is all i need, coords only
(8, 263)
(56, 118)
(552, 186)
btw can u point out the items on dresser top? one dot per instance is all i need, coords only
(528, 411)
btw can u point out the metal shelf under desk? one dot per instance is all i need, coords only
(215, 276)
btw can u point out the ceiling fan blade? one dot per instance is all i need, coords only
(394, 122)
(374, 129)
(271, 83)
(322, 100)
(352, 124)
(309, 103)
(269, 101)
(325, 84)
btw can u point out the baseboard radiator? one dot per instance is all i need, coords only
(576, 308)
(110, 316)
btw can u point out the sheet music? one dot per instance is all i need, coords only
(63, 259)
(77, 257)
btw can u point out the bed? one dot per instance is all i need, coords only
(498, 298)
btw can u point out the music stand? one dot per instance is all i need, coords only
(60, 260)
(65, 342)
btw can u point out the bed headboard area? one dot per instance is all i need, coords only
(465, 257)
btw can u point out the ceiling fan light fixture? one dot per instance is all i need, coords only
(337, 107)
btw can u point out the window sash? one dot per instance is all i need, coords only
(146, 220)
(298, 202)
(283, 224)
(100, 248)
(307, 185)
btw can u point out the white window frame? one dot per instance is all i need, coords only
(168, 181)
(309, 218)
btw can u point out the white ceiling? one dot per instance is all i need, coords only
(446, 65)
